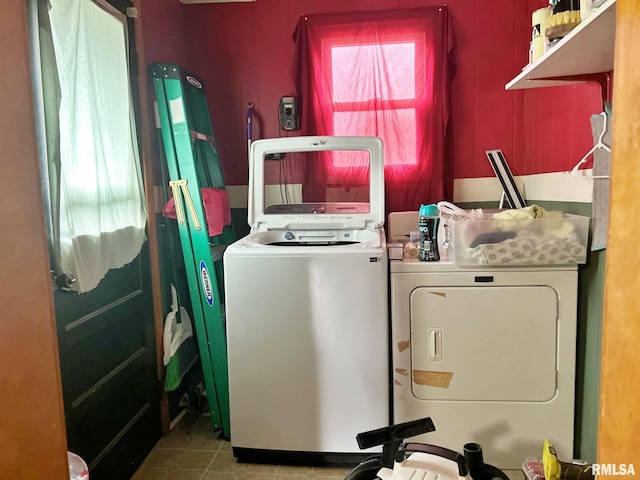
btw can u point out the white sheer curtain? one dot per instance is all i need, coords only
(102, 209)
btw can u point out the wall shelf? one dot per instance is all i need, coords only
(587, 49)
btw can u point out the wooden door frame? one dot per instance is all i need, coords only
(619, 422)
(145, 128)
(33, 442)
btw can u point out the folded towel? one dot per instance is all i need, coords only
(554, 223)
(532, 211)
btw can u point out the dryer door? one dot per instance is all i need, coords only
(484, 343)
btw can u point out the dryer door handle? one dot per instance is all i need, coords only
(435, 344)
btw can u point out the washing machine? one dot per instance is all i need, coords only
(307, 312)
(488, 353)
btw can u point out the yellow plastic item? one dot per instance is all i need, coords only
(550, 463)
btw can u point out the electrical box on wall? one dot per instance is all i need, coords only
(288, 114)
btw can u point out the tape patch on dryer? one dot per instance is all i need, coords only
(432, 379)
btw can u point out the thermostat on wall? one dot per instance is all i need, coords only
(288, 113)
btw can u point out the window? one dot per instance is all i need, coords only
(97, 208)
(385, 74)
(374, 91)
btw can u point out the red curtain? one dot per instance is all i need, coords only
(383, 73)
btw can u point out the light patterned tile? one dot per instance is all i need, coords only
(293, 470)
(205, 441)
(195, 451)
(219, 476)
(331, 471)
(289, 476)
(226, 446)
(255, 476)
(163, 457)
(151, 473)
(195, 460)
(177, 439)
(311, 473)
(185, 475)
(259, 468)
(224, 462)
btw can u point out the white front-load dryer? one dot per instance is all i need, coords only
(488, 354)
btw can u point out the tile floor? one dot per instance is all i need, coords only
(193, 451)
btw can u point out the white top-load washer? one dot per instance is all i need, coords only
(307, 313)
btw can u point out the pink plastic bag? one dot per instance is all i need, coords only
(216, 209)
(448, 212)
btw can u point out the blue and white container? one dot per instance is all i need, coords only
(428, 227)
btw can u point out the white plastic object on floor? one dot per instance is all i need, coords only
(175, 334)
(78, 469)
(424, 466)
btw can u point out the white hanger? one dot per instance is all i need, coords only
(599, 144)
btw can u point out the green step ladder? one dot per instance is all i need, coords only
(192, 162)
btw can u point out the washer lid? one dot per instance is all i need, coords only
(348, 192)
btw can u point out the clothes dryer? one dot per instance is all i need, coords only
(307, 313)
(488, 353)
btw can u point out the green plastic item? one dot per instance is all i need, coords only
(192, 162)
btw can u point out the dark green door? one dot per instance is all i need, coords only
(105, 334)
(107, 359)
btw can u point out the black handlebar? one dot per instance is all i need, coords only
(393, 433)
(391, 437)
